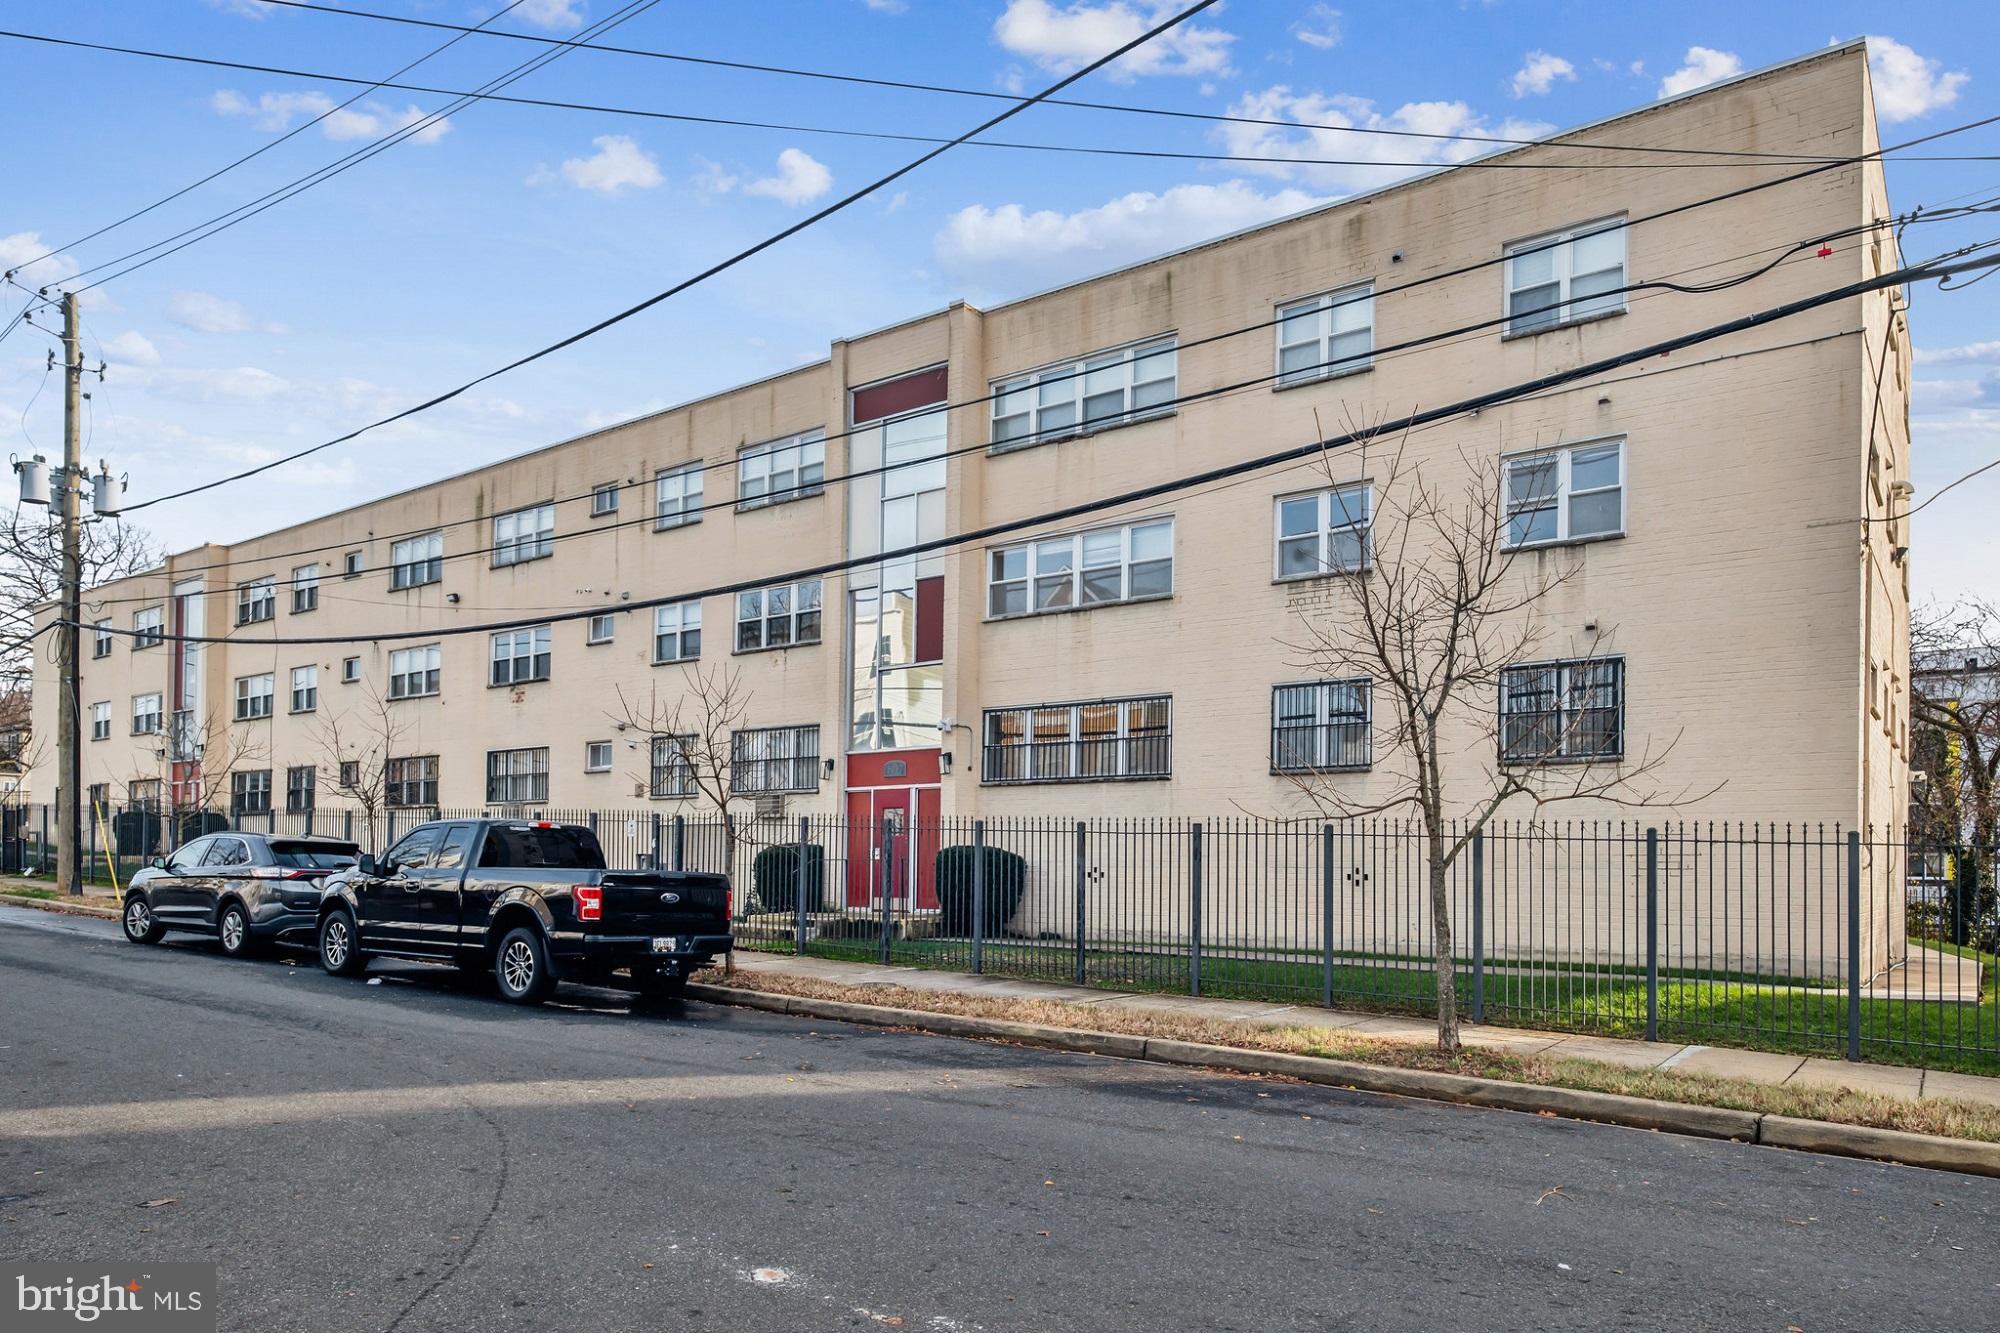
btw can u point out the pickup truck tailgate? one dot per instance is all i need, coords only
(653, 903)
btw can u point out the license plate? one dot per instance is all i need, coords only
(665, 944)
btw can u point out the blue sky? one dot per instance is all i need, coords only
(509, 226)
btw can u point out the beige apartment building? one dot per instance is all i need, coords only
(1735, 584)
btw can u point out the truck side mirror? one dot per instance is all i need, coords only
(367, 865)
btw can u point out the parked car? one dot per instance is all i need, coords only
(529, 901)
(245, 889)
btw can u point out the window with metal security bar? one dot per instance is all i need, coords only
(517, 777)
(305, 589)
(774, 759)
(301, 788)
(305, 689)
(1096, 568)
(520, 656)
(350, 774)
(1107, 740)
(1563, 712)
(407, 782)
(147, 714)
(256, 601)
(1565, 277)
(525, 534)
(250, 793)
(147, 631)
(788, 469)
(413, 672)
(1322, 726)
(1324, 532)
(1326, 336)
(677, 496)
(778, 617)
(253, 697)
(672, 774)
(1093, 393)
(416, 561)
(1566, 495)
(604, 499)
(145, 794)
(677, 632)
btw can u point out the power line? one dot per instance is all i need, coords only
(1121, 107)
(1735, 162)
(1942, 266)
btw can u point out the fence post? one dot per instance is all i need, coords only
(349, 824)
(1479, 925)
(1965, 884)
(1080, 871)
(978, 896)
(1652, 934)
(799, 929)
(390, 840)
(593, 826)
(1326, 915)
(653, 857)
(1196, 868)
(680, 841)
(885, 853)
(1854, 944)
(309, 821)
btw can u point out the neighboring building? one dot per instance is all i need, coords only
(1135, 663)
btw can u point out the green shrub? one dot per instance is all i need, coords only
(1006, 878)
(774, 874)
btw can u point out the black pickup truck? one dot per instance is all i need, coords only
(528, 901)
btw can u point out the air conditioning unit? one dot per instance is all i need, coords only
(771, 806)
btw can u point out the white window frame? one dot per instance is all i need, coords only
(157, 714)
(296, 789)
(604, 498)
(305, 689)
(1062, 391)
(257, 600)
(1564, 494)
(600, 629)
(800, 457)
(1031, 578)
(527, 765)
(1125, 748)
(250, 792)
(1561, 248)
(100, 721)
(793, 618)
(100, 638)
(679, 619)
(353, 564)
(1327, 310)
(396, 790)
(521, 535)
(305, 589)
(350, 671)
(416, 562)
(423, 666)
(682, 487)
(1329, 507)
(148, 627)
(1322, 750)
(525, 653)
(597, 756)
(255, 697)
(751, 773)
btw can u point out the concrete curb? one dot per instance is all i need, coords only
(61, 907)
(1709, 1122)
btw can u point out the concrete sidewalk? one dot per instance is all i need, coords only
(1726, 1062)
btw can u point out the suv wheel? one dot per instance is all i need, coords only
(234, 931)
(141, 927)
(339, 951)
(521, 967)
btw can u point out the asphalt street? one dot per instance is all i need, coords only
(418, 1155)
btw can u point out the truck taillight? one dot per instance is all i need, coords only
(729, 903)
(589, 902)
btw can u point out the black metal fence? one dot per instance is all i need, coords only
(1811, 938)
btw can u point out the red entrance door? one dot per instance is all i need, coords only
(892, 846)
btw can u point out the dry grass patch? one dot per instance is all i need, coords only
(1953, 1119)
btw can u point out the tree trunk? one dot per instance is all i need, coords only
(1441, 936)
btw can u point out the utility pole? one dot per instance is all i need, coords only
(69, 735)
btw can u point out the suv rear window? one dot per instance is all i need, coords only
(311, 856)
(527, 846)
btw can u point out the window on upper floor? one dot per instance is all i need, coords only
(256, 600)
(1559, 712)
(416, 561)
(1322, 532)
(305, 589)
(351, 565)
(677, 632)
(147, 714)
(100, 638)
(519, 656)
(600, 629)
(100, 721)
(597, 756)
(1101, 741)
(787, 469)
(778, 616)
(1093, 393)
(525, 534)
(604, 499)
(350, 670)
(305, 689)
(413, 672)
(1094, 568)
(1565, 495)
(1322, 725)
(253, 697)
(1566, 276)
(677, 496)
(147, 630)
(1325, 336)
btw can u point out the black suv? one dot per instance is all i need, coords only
(245, 889)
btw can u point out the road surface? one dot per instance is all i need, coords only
(417, 1155)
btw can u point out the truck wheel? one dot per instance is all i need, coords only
(521, 967)
(234, 932)
(140, 925)
(339, 953)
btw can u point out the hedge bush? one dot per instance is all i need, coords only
(774, 875)
(1006, 878)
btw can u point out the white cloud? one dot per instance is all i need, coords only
(550, 13)
(619, 163)
(713, 178)
(1705, 65)
(275, 112)
(1320, 28)
(206, 313)
(1906, 84)
(1980, 352)
(887, 6)
(800, 179)
(131, 348)
(248, 9)
(1061, 39)
(18, 249)
(1009, 245)
(1539, 72)
(1361, 161)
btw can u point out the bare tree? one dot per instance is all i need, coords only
(689, 742)
(31, 574)
(354, 747)
(1955, 730)
(1434, 607)
(219, 750)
